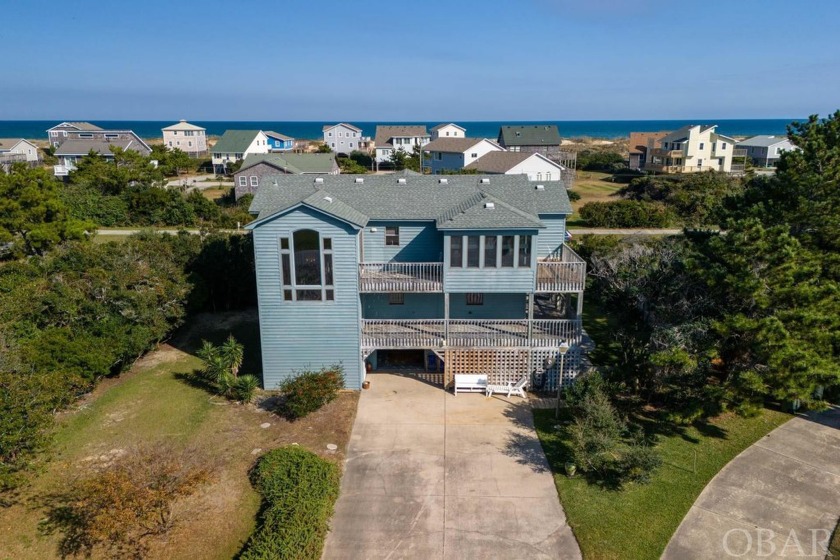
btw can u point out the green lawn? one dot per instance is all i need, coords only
(592, 186)
(638, 521)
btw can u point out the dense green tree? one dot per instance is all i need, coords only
(128, 168)
(171, 161)
(33, 217)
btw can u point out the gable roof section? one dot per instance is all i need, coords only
(292, 163)
(444, 125)
(529, 135)
(763, 141)
(75, 125)
(502, 162)
(235, 141)
(453, 145)
(418, 198)
(272, 134)
(639, 140)
(327, 127)
(183, 125)
(7, 144)
(83, 146)
(486, 212)
(384, 133)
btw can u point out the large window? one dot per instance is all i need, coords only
(473, 246)
(507, 251)
(306, 263)
(475, 299)
(490, 243)
(456, 251)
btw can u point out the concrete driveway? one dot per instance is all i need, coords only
(430, 476)
(780, 498)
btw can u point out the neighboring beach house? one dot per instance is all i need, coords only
(343, 138)
(694, 148)
(235, 145)
(257, 166)
(534, 138)
(457, 274)
(641, 144)
(536, 166)
(279, 142)
(189, 138)
(74, 140)
(390, 138)
(450, 130)
(17, 150)
(452, 154)
(765, 151)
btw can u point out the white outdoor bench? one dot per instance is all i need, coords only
(470, 383)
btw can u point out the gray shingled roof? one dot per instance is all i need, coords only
(529, 135)
(764, 141)
(451, 145)
(83, 146)
(324, 201)
(384, 133)
(350, 126)
(79, 125)
(422, 198)
(498, 162)
(272, 134)
(441, 125)
(293, 163)
(183, 125)
(235, 141)
(9, 143)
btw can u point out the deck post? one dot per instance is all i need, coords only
(446, 318)
(579, 305)
(530, 317)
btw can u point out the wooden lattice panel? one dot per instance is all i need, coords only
(542, 365)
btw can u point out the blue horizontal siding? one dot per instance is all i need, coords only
(496, 306)
(416, 306)
(308, 335)
(419, 242)
(551, 238)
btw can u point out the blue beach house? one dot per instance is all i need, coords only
(279, 142)
(427, 274)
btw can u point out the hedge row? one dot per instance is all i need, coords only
(626, 214)
(299, 491)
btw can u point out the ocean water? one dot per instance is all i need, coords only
(36, 130)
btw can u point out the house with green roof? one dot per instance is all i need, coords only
(434, 275)
(535, 138)
(236, 145)
(257, 166)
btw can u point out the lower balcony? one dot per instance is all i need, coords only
(401, 277)
(468, 333)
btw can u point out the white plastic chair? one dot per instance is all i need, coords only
(510, 389)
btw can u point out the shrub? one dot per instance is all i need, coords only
(221, 370)
(126, 503)
(299, 490)
(310, 390)
(244, 387)
(626, 214)
(573, 195)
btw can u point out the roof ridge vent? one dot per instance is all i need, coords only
(485, 180)
(360, 179)
(540, 187)
(401, 181)
(328, 199)
(319, 179)
(490, 205)
(443, 181)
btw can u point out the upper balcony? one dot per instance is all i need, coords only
(564, 271)
(401, 277)
(661, 152)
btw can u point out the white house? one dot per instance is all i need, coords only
(187, 137)
(536, 166)
(390, 138)
(14, 150)
(693, 148)
(450, 154)
(450, 130)
(235, 145)
(342, 138)
(765, 151)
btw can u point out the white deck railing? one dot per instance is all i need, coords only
(563, 271)
(468, 333)
(401, 277)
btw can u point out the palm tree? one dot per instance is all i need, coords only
(232, 353)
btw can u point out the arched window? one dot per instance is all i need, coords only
(306, 262)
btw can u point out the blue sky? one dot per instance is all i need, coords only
(428, 60)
